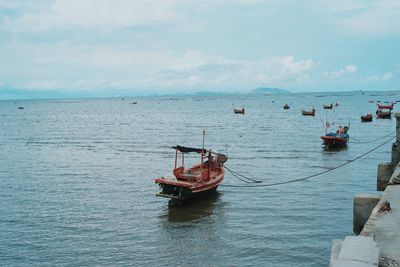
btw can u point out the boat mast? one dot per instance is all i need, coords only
(202, 151)
(204, 133)
(326, 121)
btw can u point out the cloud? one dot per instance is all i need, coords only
(375, 78)
(103, 14)
(218, 70)
(65, 65)
(347, 70)
(355, 17)
(350, 69)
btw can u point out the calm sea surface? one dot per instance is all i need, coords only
(76, 180)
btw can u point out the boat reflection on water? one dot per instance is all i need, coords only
(334, 148)
(194, 209)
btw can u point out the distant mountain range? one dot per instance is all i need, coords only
(267, 90)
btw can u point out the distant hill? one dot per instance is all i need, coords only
(267, 90)
(207, 93)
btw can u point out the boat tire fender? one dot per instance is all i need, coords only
(222, 158)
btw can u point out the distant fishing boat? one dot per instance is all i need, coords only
(336, 104)
(370, 101)
(196, 181)
(238, 110)
(133, 103)
(337, 139)
(327, 106)
(20, 107)
(367, 118)
(286, 106)
(308, 113)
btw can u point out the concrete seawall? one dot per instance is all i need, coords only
(376, 221)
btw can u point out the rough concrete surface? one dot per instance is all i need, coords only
(385, 226)
(362, 209)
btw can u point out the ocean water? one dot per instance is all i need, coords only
(76, 180)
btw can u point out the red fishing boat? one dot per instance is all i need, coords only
(338, 139)
(196, 181)
(308, 113)
(367, 118)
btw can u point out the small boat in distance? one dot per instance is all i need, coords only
(193, 182)
(286, 106)
(328, 106)
(337, 139)
(238, 110)
(370, 101)
(367, 118)
(20, 107)
(336, 104)
(308, 113)
(133, 103)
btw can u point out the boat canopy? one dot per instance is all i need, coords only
(188, 149)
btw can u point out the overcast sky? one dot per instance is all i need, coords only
(174, 46)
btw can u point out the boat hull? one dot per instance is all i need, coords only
(238, 111)
(384, 115)
(186, 187)
(334, 141)
(308, 113)
(367, 118)
(184, 193)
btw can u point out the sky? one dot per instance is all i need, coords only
(122, 47)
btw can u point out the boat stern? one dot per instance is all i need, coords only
(173, 189)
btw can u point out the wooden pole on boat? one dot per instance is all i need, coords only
(202, 151)
(326, 122)
(176, 155)
(204, 134)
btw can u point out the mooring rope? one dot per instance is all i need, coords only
(261, 184)
(359, 141)
(238, 175)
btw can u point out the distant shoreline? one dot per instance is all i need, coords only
(38, 95)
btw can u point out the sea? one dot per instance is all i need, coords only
(77, 179)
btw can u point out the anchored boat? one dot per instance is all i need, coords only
(308, 113)
(328, 106)
(196, 181)
(367, 118)
(238, 110)
(384, 111)
(337, 139)
(286, 106)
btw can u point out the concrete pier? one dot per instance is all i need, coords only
(362, 209)
(385, 171)
(376, 220)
